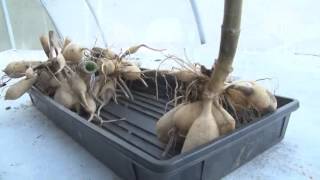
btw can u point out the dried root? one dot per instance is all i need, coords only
(134, 49)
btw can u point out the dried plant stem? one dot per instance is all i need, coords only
(229, 40)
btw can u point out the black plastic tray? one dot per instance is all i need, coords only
(131, 149)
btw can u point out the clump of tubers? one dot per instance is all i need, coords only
(81, 79)
(183, 116)
(205, 119)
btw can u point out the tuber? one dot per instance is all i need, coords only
(225, 121)
(65, 96)
(109, 54)
(165, 124)
(184, 117)
(107, 67)
(44, 40)
(97, 86)
(104, 53)
(66, 42)
(29, 73)
(44, 82)
(18, 89)
(107, 92)
(90, 107)
(203, 130)
(61, 61)
(247, 94)
(185, 75)
(17, 69)
(73, 53)
(79, 87)
(130, 72)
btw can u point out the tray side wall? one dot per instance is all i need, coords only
(215, 165)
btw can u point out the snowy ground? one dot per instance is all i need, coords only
(272, 32)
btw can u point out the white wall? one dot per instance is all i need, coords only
(28, 20)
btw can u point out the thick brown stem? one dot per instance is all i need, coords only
(228, 45)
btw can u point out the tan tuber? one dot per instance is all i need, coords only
(65, 96)
(247, 94)
(17, 69)
(18, 89)
(203, 130)
(73, 53)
